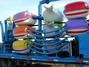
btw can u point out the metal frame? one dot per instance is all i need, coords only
(35, 57)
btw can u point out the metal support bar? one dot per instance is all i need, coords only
(2, 31)
(47, 1)
(6, 31)
(2, 36)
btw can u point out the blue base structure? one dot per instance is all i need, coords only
(64, 51)
(46, 59)
(84, 45)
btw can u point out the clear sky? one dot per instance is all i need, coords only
(11, 7)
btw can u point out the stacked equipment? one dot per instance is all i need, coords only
(76, 13)
(24, 30)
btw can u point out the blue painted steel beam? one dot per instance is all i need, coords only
(2, 31)
(43, 58)
(6, 31)
(2, 34)
(47, 1)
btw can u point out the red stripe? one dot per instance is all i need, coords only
(20, 35)
(28, 59)
(18, 21)
(50, 59)
(76, 13)
(79, 61)
(76, 32)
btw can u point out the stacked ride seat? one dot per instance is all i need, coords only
(76, 13)
(24, 32)
(22, 46)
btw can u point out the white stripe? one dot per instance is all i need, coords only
(28, 21)
(15, 49)
(33, 59)
(77, 11)
(77, 16)
(55, 60)
(86, 61)
(24, 51)
(20, 34)
(21, 37)
(78, 30)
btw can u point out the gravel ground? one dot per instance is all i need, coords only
(54, 65)
(35, 65)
